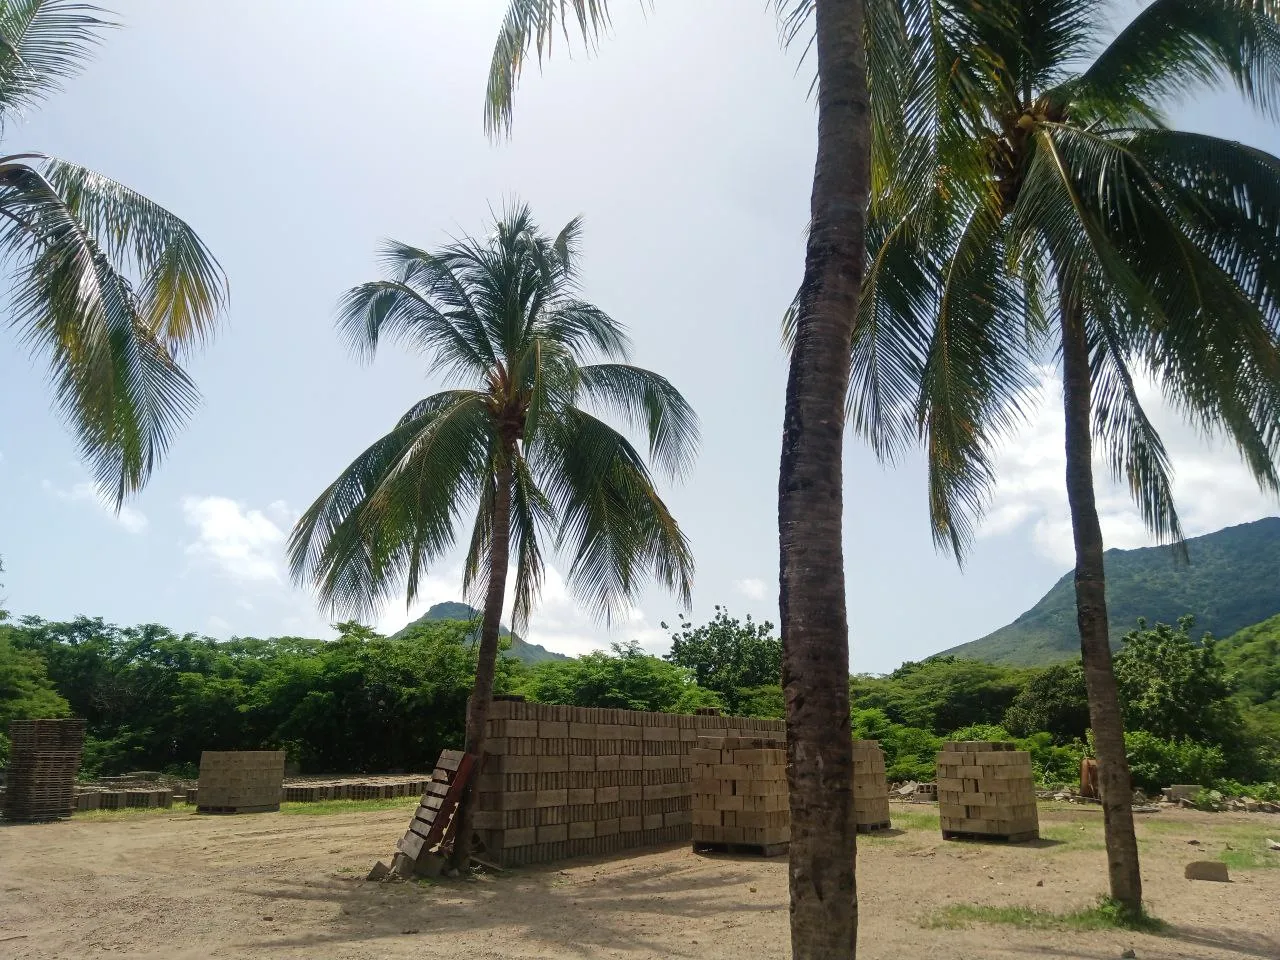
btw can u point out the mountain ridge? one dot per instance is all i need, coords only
(1232, 582)
(522, 650)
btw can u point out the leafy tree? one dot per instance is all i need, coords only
(109, 286)
(1175, 688)
(26, 692)
(1042, 206)
(519, 446)
(727, 655)
(1158, 763)
(626, 679)
(941, 693)
(1053, 700)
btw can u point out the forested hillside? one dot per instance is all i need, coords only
(1232, 581)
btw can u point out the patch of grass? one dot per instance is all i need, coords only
(1107, 915)
(911, 821)
(1249, 849)
(322, 808)
(1073, 836)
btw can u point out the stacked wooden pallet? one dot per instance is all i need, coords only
(561, 781)
(240, 781)
(740, 795)
(43, 763)
(870, 788)
(986, 791)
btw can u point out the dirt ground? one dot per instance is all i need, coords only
(176, 885)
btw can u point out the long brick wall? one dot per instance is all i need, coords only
(571, 781)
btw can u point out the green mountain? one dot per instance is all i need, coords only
(522, 650)
(1233, 581)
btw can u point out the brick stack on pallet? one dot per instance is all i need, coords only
(870, 788)
(571, 781)
(43, 763)
(240, 781)
(740, 795)
(986, 791)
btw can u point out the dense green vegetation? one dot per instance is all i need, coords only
(1197, 711)
(1229, 584)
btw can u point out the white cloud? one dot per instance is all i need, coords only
(751, 588)
(218, 627)
(1211, 487)
(130, 518)
(242, 543)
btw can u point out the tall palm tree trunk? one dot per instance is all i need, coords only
(482, 693)
(815, 635)
(1091, 614)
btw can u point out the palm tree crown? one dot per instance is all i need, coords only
(1029, 194)
(504, 314)
(111, 287)
(1023, 169)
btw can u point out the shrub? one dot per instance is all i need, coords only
(1157, 763)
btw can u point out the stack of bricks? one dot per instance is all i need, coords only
(740, 794)
(41, 782)
(986, 791)
(870, 788)
(561, 781)
(240, 781)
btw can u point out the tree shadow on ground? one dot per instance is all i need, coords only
(569, 911)
(1240, 942)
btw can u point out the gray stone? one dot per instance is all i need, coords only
(379, 872)
(1207, 870)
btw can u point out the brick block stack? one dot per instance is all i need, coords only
(570, 781)
(870, 788)
(240, 781)
(43, 763)
(986, 791)
(740, 794)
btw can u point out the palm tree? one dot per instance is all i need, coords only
(110, 286)
(1041, 205)
(519, 445)
(815, 635)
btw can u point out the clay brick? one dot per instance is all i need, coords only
(652, 821)
(607, 763)
(631, 824)
(553, 764)
(582, 830)
(607, 828)
(607, 794)
(553, 834)
(584, 795)
(553, 730)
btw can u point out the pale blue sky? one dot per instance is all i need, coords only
(296, 134)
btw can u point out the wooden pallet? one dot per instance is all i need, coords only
(744, 849)
(872, 827)
(433, 822)
(991, 837)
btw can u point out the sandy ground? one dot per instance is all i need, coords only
(180, 886)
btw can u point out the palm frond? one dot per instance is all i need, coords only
(975, 377)
(1176, 47)
(611, 519)
(648, 402)
(530, 25)
(181, 288)
(43, 43)
(110, 343)
(393, 510)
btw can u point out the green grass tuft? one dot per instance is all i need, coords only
(911, 821)
(322, 808)
(1107, 915)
